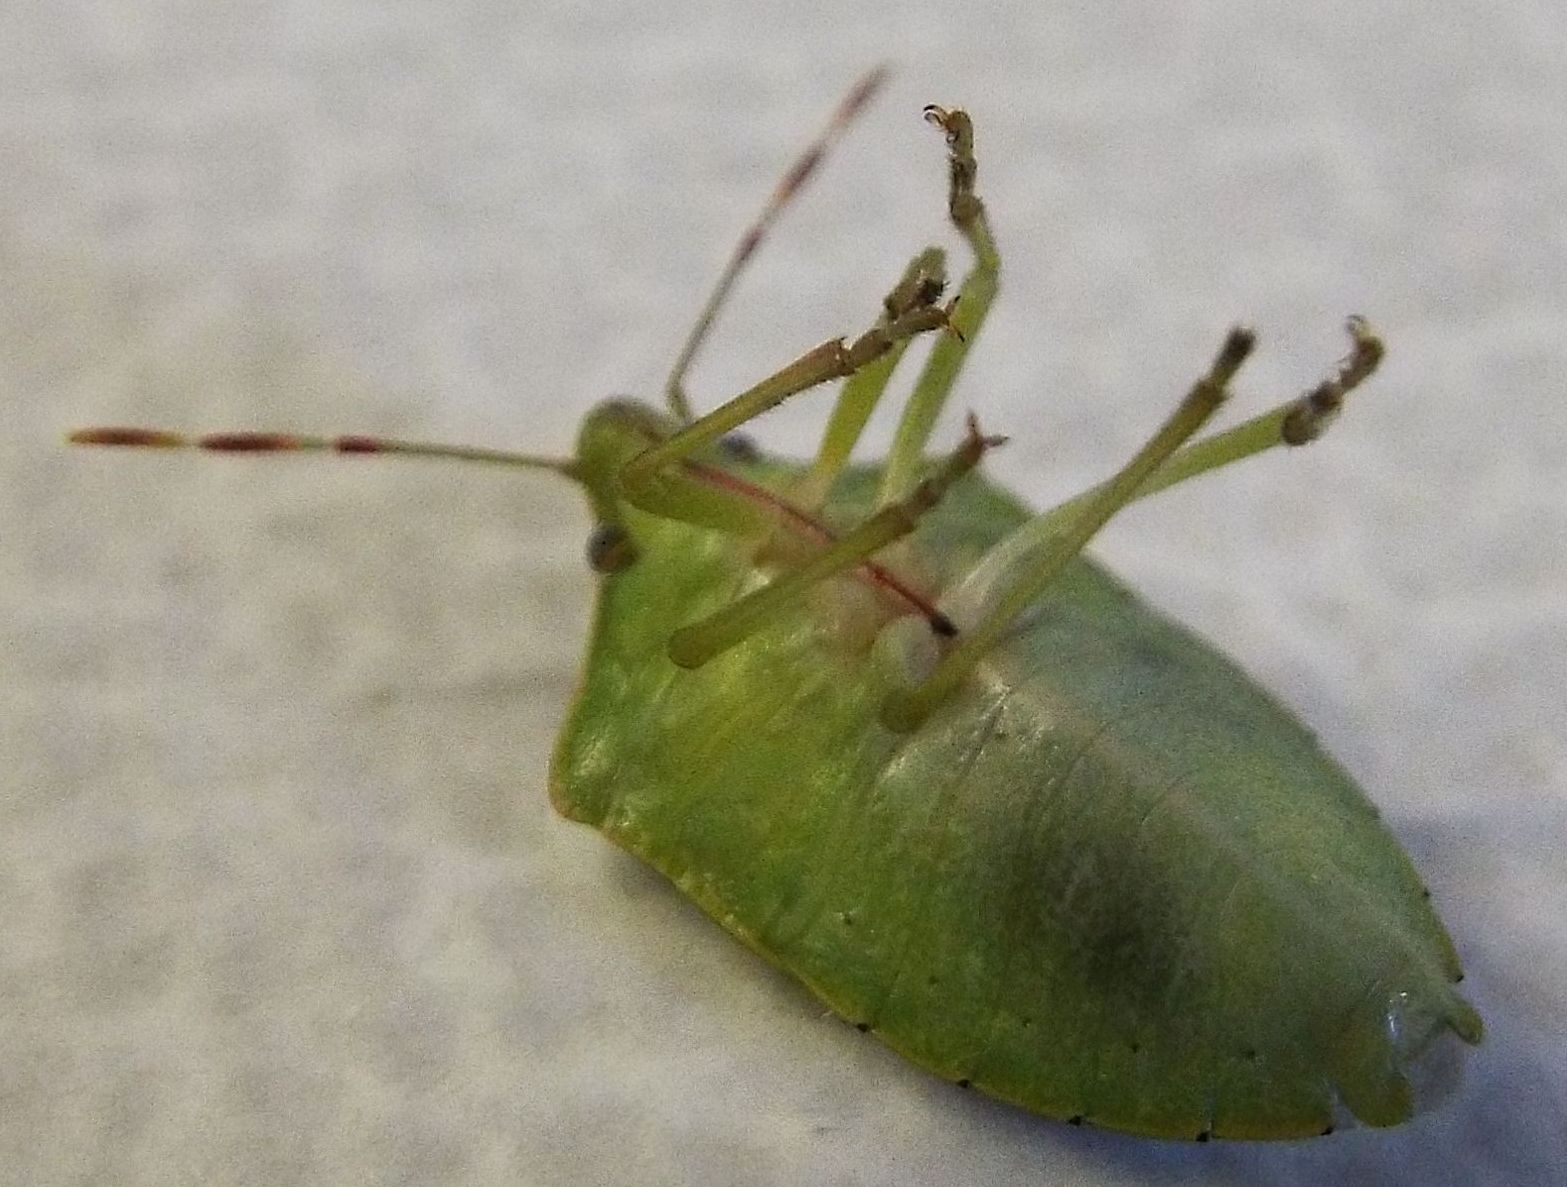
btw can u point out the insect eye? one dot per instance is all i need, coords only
(610, 549)
(740, 448)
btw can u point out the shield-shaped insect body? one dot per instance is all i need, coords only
(895, 732)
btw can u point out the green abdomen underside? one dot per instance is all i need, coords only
(1112, 879)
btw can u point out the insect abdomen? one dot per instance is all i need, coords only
(1112, 879)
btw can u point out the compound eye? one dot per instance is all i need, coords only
(610, 549)
(740, 448)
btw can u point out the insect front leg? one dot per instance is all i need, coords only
(645, 480)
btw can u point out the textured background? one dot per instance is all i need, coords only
(281, 898)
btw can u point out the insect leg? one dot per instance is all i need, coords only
(1018, 586)
(921, 284)
(1297, 422)
(851, 105)
(973, 303)
(694, 645)
(640, 479)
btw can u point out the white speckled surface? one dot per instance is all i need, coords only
(281, 897)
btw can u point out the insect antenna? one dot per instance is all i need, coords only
(270, 442)
(607, 551)
(788, 186)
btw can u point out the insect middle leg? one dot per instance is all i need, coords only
(973, 302)
(922, 283)
(694, 645)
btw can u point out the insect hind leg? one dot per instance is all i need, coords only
(1018, 568)
(1020, 585)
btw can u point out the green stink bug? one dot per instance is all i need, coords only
(897, 734)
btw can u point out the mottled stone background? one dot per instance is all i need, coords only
(281, 897)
